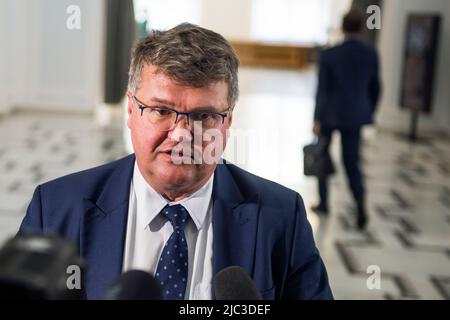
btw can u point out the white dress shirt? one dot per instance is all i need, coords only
(148, 232)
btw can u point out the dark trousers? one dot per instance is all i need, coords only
(351, 141)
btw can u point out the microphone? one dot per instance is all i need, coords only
(39, 267)
(134, 285)
(233, 283)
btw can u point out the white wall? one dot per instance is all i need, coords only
(48, 66)
(5, 56)
(231, 18)
(394, 14)
(337, 11)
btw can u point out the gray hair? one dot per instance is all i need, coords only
(188, 54)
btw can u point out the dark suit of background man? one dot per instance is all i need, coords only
(182, 221)
(347, 96)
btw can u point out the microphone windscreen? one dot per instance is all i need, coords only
(233, 283)
(134, 285)
(40, 267)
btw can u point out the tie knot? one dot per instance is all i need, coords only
(176, 214)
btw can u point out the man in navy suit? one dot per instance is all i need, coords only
(174, 208)
(347, 96)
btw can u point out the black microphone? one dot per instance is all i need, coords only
(134, 285)
(40, 267)
(233, 283)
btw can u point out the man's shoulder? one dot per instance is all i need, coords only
(361, 45)
(325, 52)
(332, 49)
(330, 53)
(350, 45)
(269, 192)
(86, 179)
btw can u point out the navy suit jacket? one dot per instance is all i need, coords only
(349, 85)
(257, 224)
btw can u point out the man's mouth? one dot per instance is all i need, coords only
(177, 154)
(173, 152)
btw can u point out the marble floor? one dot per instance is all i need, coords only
(405, 252)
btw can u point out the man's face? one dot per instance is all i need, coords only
(153, 147)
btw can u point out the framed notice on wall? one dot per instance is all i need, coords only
(420, 60)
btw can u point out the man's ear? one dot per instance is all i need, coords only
(129, 108)
(130, 103)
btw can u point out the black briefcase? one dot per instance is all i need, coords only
(317, 161)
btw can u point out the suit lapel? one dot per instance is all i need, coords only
(235, 220)
(103, 230)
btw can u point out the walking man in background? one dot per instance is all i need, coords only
(347, 96)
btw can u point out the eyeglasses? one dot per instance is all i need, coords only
(165, 119)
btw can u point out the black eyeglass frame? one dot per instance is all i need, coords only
(142, 106)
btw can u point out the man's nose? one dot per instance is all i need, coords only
(181, 130)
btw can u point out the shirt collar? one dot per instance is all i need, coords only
(150, 203)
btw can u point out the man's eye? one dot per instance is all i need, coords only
(201, 116)
(163, 112)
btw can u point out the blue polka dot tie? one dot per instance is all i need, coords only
(172, 270)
